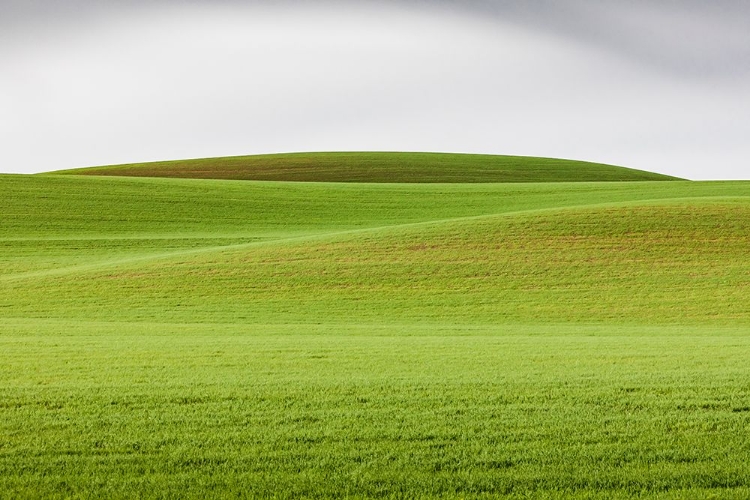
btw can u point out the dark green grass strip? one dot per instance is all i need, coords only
(380, 167)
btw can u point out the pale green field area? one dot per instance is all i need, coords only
(173, 338)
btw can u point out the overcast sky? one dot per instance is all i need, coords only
(652, 84)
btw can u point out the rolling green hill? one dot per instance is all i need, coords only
(192, 338)
(380, 167)
(661, 261)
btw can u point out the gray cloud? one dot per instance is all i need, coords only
(690, 38)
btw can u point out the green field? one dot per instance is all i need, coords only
(379, 167)
(170, 337)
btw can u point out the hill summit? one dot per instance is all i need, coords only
(379, 167)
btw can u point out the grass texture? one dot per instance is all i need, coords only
(188, 338)
(380, 167)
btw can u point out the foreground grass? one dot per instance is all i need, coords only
(380, 167)
(188, 338)
(309, 411)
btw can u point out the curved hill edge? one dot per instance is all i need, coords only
(379, 167)
(348, 234)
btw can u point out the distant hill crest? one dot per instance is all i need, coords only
(380, 167)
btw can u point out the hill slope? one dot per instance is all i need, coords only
(634, 264)
(279, 252)
(379, 167)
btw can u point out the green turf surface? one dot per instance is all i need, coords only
(380, 167)
(192, 338)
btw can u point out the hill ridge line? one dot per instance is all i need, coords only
(378, 167)
(335, 234)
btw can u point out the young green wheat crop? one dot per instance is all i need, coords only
(201, 338)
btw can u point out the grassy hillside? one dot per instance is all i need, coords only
(174, 337)
(675, 263)
(52, 222)
(380, 167)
